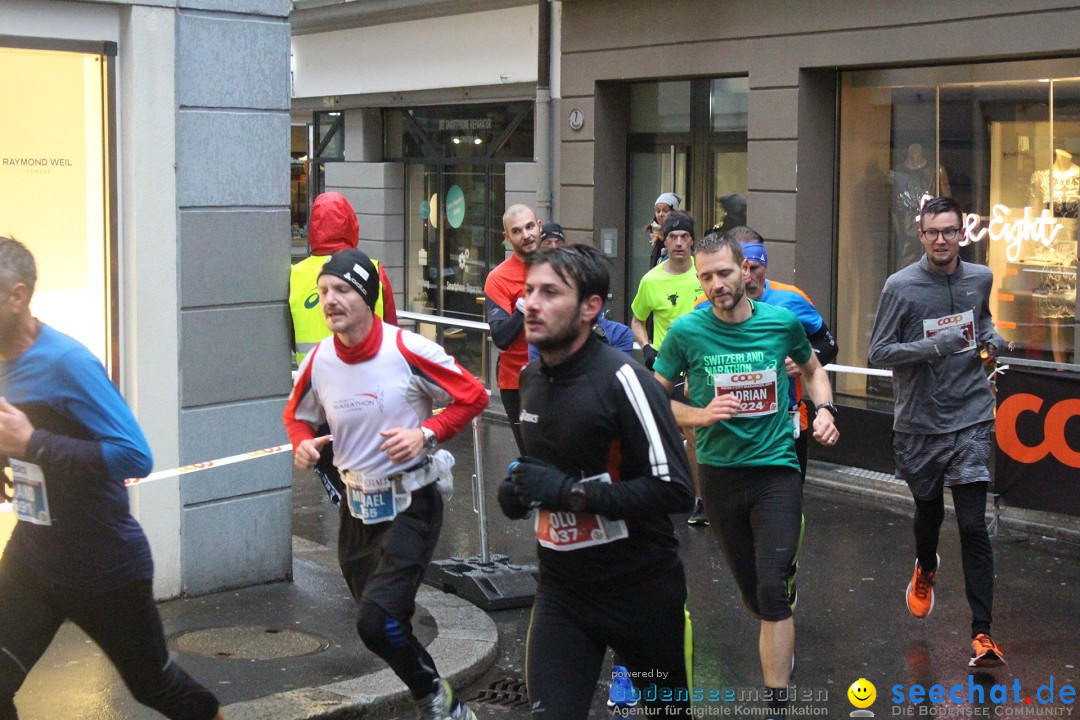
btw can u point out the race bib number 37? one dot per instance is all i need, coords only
(965, 321)
(756, 391)
(575, 530)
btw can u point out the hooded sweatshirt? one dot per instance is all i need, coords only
(333, 227)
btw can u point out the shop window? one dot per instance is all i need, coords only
(455, 194)
(57, 186)
(328, 145)
(1000, 139)
(299, 200)
(502, 131)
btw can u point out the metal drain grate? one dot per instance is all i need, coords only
(504, 692)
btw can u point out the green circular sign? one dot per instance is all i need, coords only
(455, 206)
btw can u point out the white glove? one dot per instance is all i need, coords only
(520, 305)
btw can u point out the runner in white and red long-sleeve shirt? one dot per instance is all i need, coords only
(375, 385)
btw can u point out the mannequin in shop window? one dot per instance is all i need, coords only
(911, 179)
(1058, 190)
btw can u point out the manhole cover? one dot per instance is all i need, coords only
(248, 643)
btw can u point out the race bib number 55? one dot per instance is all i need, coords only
(756, 391)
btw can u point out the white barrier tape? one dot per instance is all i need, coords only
(242, 457)
(858, 370)
(175, 472)
(220, 462)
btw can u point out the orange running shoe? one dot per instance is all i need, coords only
(920, 591)
(985, 652)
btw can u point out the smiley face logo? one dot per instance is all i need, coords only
(862, 693)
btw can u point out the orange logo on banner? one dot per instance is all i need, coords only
(1053, 443)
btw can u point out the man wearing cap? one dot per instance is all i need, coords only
(666, 204)
(761, 289)
(505, 308)
(668, 290)
(609, 331)
(665, 293)
(375, 386)
(551, 236)
(333, 227)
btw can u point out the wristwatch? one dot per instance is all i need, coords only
(430, 438)
(828, 406)
(577, 499)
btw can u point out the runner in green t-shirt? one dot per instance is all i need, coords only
(733, 356)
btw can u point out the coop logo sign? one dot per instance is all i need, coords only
(747, 377)
(1054, 423)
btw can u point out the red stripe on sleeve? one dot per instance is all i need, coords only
(470, 397)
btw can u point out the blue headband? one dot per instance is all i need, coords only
(756, 252)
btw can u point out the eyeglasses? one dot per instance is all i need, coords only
(947, 233)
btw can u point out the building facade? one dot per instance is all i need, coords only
(144, 148)
(822, 129)
(842, 116)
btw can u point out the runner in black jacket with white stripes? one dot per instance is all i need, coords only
(610, 575)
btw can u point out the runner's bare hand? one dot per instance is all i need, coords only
(15, 430)
(307, 453)
(825, 431)
(720, 408)
(402, 444)
(790, 367)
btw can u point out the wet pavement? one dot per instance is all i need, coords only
(851, 621)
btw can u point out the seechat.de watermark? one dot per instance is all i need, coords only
(1053, 698)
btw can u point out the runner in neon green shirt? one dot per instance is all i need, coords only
(669, 290)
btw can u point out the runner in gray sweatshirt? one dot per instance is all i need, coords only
(933, 319)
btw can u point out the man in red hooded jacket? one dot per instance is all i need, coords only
(333, 227)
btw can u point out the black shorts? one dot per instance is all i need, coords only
(756, 514)
(385, 562)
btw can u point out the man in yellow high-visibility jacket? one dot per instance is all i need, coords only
(333, 227)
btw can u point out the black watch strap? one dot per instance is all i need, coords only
(828, 406)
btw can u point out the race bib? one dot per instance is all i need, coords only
(757, 391)
(965, 321)
(564, 531)
(29, 498)
(374, 500)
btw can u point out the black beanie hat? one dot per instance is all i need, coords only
(551, 229)
(678, 220)
(355, 268)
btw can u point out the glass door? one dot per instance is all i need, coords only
(662, 167)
